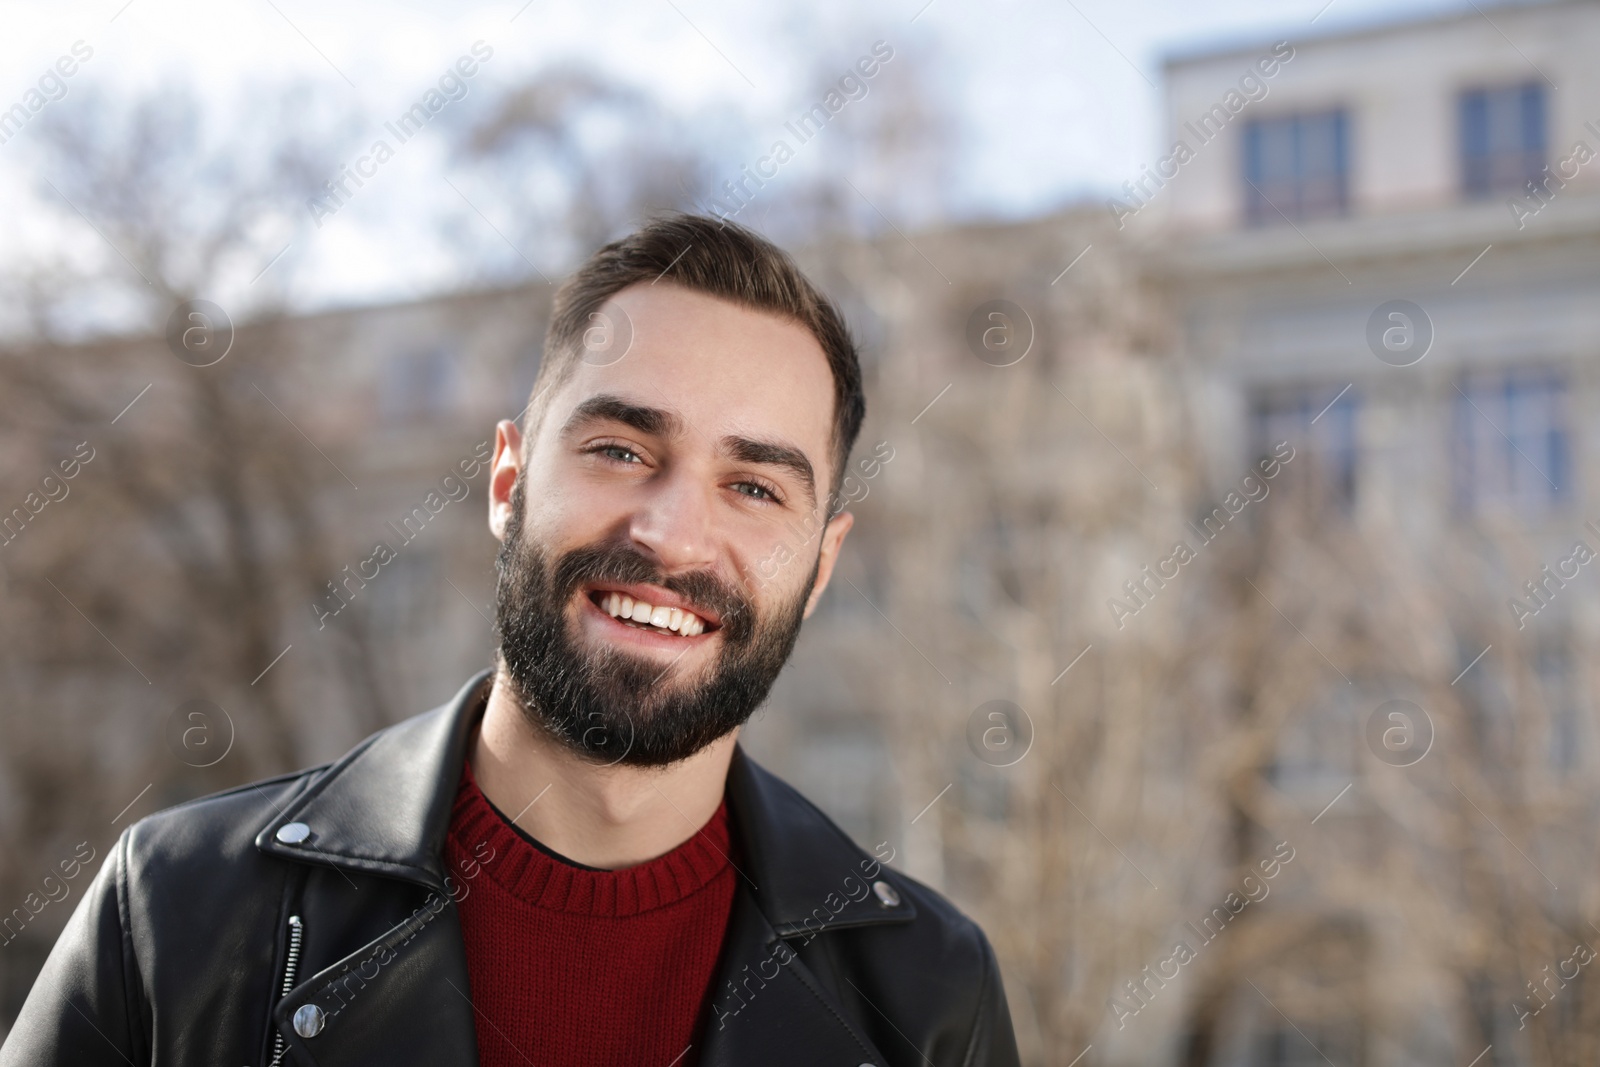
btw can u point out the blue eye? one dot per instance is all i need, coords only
(755, 491)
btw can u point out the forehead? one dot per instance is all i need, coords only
(725, 368)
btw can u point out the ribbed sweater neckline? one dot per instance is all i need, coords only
(542, 880)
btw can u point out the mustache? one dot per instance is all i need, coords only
(617, 562)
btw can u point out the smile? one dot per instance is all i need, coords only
(640, 614)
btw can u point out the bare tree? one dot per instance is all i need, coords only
(165, 568)
(576, 157)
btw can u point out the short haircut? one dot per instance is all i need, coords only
(720, 259)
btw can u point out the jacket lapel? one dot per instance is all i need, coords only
(767, 1007)
(802, 877)
(402, 999)
(384, 808)
(805, 874)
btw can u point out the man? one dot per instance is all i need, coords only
(572, 862)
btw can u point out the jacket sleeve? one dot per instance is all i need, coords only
(994, 1042)
(81, 1010)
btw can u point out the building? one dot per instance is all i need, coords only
(1382, 243)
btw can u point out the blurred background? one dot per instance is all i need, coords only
(1218, 623)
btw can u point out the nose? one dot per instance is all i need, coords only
(674, 523)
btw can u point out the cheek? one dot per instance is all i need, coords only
(560, 513)
(781, 578)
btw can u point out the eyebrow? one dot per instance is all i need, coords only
(608, 407)
(661, 422)
(770, 454)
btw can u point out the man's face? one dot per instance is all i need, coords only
(667, 534)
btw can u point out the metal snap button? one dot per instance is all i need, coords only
(887, 895)
(293, 833)
(308, 1020)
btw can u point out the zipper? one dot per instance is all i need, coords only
(291, 963)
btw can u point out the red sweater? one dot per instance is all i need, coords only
(572, 966)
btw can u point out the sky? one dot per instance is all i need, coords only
(1054, 100)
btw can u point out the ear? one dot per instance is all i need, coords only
(828, 555)
(503, 473)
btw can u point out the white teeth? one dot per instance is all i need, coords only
(622, 606)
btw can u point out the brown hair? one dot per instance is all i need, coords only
(720, 259)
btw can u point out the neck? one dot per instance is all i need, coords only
(607, 817)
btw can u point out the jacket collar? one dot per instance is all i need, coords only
(385, 808)
(803, 873)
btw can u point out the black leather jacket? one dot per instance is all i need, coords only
(211, 937)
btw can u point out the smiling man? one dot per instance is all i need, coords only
(573, 862)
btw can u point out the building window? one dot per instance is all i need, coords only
(990, 570)
(1320, 424)
(1487, 699)
(1502, 139)
(1305, 1045)
(1512, 446)
(843, 766)
(419, 383)
(1316, 751)
(1296, 167)
(1564, 740)
(404, 594)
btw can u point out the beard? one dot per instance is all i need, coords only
(611, 706)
